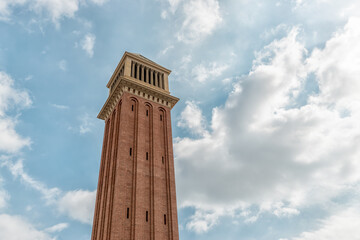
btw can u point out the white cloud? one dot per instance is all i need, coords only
(10, 99)
(5, 8)
(269, 150)
(17, 228)
(78, 205)
(199, 18)
(63, 65)
(59, 106)
(88, 43)
(343, 225)
(205, 73)
(203, 220)
(86, 124)
(55, 9)
(4, 196)
(57, 228)
(17, 170)
(99, 2)
(163, 52)
(191, 117)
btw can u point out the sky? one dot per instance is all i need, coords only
(266, 133)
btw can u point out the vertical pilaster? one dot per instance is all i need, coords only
(132, 68)
(104, 196)
(100, 184)
(151, 76)
(137, 70)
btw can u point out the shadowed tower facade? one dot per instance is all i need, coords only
(136, 197)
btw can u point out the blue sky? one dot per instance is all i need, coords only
(266, 135)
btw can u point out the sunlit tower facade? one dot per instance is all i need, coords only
(136, 196)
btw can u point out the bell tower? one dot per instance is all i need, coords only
(136, 197)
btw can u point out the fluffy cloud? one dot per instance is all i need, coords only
(55, 9)
(343, 225)
(78, 205)
(199, 18)
(276, 144)
(204, 73)
(193, 119)
(11, 99)
(17, 228)
(88, 44)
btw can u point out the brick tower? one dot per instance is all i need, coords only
(136, 197)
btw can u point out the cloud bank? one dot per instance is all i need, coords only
(277, 144)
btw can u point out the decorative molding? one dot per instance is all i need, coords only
(139, 89)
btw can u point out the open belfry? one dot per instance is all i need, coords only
(136, 197)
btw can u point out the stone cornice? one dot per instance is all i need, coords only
(139, 89)
(139, 58)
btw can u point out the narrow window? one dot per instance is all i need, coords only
(147, 216)
(147, 156)
(130, 151)
(154, 78)
(140, 72)
(147, 112)
(135, 71)
(162, 159)
(127, 213)
(132, 107)
(160, 117)
(164, 219)
(162, 81)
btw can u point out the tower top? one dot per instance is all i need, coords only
(140, 76)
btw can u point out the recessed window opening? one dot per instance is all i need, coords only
(127, 213)
(162, 159)
(132, 107)
(147, 112)
(130, 151)
(132, 68)
(149, 77)
(147, 156)
(144, 74)
(135, 72)
(164, 219)
(153, 79)
(160, 117)
(147, 216)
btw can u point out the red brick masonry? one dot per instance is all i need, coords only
(136, 196)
